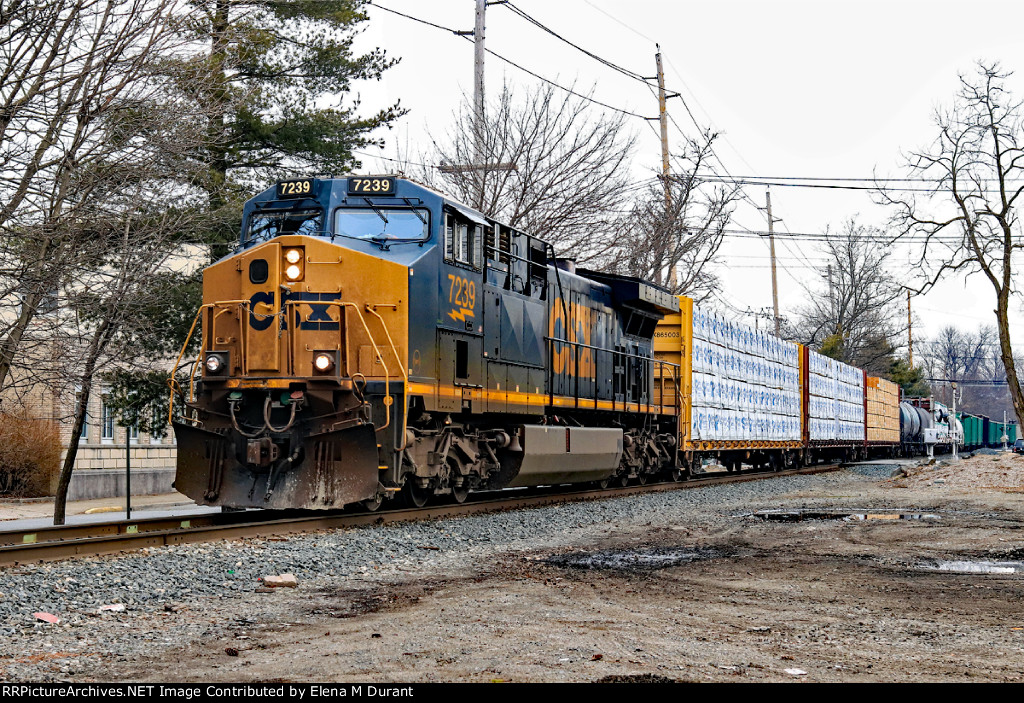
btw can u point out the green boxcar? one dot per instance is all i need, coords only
(972, 425)
(996, 431)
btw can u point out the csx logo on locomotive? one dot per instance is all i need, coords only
(319, 318)
(564, 356)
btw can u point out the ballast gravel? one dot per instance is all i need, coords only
(174, 596)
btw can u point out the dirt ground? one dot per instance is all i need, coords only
(855, 599)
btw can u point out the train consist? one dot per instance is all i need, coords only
(371, 338)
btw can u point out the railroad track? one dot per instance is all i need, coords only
(92, 539)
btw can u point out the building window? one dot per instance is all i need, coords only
(84, 437)
(107, 434)
(133, 434)
(48, 303)
(156, 437)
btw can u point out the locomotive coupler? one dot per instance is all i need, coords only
(262, 451)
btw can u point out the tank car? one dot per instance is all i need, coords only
(370, 337)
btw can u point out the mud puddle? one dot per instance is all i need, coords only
(650, 559)
(977, 567)
(803, 514)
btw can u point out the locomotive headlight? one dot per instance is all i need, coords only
(292, 265)
(323, 361)
(214, 363)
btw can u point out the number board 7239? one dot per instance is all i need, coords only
(299, 188)
(371, 186)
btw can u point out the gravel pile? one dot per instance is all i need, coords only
(881, 469)
(182, 594)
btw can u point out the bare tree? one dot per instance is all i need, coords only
(97, 186)
(970, 359)
(100, 324)
(854, 312)
(968, 222)
(676, 232)
(960, 355)
(546, 164)
(86, 111)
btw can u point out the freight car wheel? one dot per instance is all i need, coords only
(459, 494)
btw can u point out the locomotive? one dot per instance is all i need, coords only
(371, 338)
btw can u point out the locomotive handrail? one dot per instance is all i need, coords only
(172, 383)
(376, 349)
(507, 253)
(405, 396)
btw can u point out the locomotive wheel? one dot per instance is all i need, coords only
(415, 497)
(677, 475)
(372, 505)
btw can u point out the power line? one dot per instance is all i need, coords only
(397, 161)
(747, 180)
(513, 63)
(615, 67)
(873, 179)
(967, 383)
(562, 87)
(615, 19)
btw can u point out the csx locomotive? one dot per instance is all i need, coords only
(371, 338)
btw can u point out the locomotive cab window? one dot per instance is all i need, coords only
(463, 241)
(382, 226)
(267, 224)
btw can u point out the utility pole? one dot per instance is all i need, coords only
(479, 114)
(478, 63)
(663, 118)
(952, 424)
(910, 335)
(831, 295)
(771, 245)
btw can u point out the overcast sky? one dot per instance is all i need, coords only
(799, 89)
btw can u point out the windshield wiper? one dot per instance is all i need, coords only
(415, 211)
(374, 207)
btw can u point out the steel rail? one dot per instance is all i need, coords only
(54, 543)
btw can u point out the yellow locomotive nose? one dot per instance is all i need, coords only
(294, 332)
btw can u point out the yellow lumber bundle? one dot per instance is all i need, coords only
(883, 416)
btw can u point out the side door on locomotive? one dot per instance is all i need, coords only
(460, 372)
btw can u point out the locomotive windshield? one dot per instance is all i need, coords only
(271, 223)
(382, 225)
